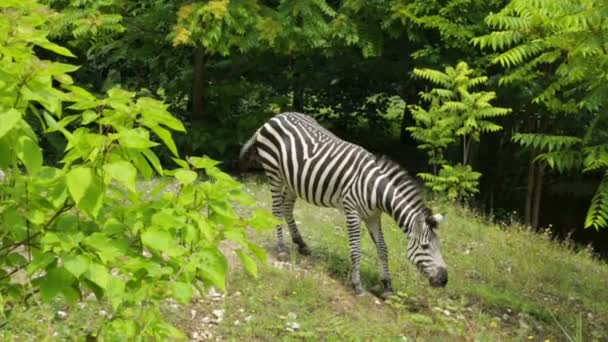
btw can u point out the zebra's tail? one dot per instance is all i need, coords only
(248, 155)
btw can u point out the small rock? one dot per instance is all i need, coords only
(237, 322)
(241, 310)
(194, 335)
(206, 320)
(62, 314)
(219, 313)
(377, 302)
(214, 294)
(447, 313)
(237, 293)
(292, 326)
(248, 318)
(192, 314)
(505, 317)
(103, 313)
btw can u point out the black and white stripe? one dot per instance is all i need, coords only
(304, 160)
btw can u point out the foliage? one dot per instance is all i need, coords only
(434, 130)
(454, 113)
(469, 111)
(442, 29)
(217, 25)
(86, 227)
(561, 47)
(457, 182)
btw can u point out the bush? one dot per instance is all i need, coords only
(88, 226)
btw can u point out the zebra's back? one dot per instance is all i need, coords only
(311, 161)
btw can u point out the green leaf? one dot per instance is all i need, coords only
(138, 138)
(236, 235)
(182, 292)
(9, 120)
(157, 239)
(57, 281)
(248, 263)
(88, 116)
(40, 261)
(15, 260)
(99, 275)
(55, 48)
(29, 153)
(124, 172)
(262, 220)
(202, 163)
(258, 252)
(185, 176)
(108, 249)
(86, 189)
(213, 267)
(156, 111)
(165, 136)
(115, 291)
(153, 159)
(75, 264)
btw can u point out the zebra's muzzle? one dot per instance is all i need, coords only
(440, 278)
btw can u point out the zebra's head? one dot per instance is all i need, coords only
(424, 251)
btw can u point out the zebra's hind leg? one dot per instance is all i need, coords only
(278, 198)
(288, 205)
(375, 231)
(353, 223)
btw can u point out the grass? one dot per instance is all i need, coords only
(506, 283)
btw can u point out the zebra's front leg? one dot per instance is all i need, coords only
(288, 205)
(353, 223)
(375, 231)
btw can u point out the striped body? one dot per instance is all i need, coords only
(304, 160)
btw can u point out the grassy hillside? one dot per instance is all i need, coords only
(505, 283)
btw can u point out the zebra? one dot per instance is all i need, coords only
(303, 160)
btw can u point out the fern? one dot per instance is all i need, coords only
(597, 215)
(546, 142)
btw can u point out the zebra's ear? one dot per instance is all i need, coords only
(435, 220)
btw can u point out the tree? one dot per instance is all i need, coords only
(454, 113)
(560, 48)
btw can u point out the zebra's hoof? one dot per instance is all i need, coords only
(304, 250)
(283, 256)
(359, 291)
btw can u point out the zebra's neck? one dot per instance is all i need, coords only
(400, 198)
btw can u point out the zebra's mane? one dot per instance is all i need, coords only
(387, 165)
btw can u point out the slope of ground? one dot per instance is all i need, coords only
(505, 283)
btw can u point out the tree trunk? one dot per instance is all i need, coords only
(529, 193)
(298, 98)
(465, 150)
(538, 190)
(198, 87)
(407, 120)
